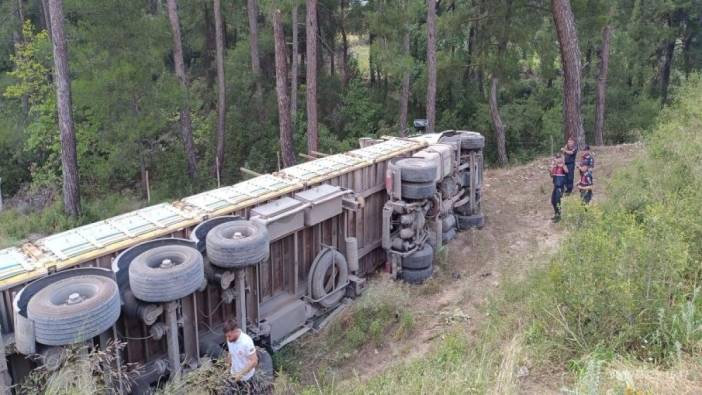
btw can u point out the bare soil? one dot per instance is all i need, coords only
(518, 230)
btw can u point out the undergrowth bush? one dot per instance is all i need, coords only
(82, 372)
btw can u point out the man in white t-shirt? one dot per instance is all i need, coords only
(241, 357)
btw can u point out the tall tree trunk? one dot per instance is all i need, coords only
(20, 17)
(69, 157)
(221, 94)
(47, 17)
(431, 65)
(294, 64)
(209, 47)
(500, 137)
(371, 58)
(281, 72)
(498, 125)
(186, 128)
(405, 89)
(344, 48)
(332, 57)
(252, 12)
(311, 37)
(601, 98)
(687, 58)
(570, 59)
(665, 70)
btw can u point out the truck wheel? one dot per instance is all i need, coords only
(411, 190)
(417, 170)
(471, 140)
(448, 236)
(330, 272)
(74, 309)
(421, 259)
(238, 244)
(465, 210)
(448, 222)
(470, 221)
(468, 140)
(265, 362)
(417, 276)
(167, 273)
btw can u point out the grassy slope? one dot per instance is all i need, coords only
(616, 308)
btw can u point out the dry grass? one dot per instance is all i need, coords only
(506, 381)
(82, 372)
(635, 378)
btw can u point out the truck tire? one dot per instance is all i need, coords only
(470, 221)
(417, 170)
(448, 222)
(417, 276)
(467, 140)
(330, 272)
(448, 236)
(462, 210)
(265, 363)
(237, 244)
(421, 259)
(472, 140)
(418, 191)
(74, 309)
(151, 281)
(466, 210)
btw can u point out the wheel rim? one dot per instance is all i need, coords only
(73, 294)
(239, 232)
(166, 260)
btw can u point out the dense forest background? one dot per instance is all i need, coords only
(128, 96)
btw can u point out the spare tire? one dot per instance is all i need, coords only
(470, 221)
(417, 276)
(74, 309)
(421, 259)
(417, 170)
(166, 273)
(411, 190)
(330, 271)
(237, 244)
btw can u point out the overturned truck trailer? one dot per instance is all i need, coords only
(279, 253)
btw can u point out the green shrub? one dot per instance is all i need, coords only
(627, 279)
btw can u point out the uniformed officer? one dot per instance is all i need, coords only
(588, 158)
(585, 184)
(570, 152)
(558, 172)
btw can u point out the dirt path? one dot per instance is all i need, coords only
(517, 206)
